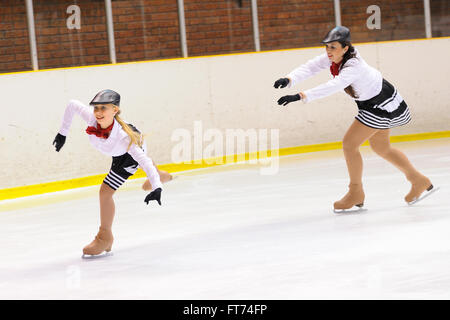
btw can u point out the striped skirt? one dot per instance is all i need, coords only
(122, 168)
(384, 111)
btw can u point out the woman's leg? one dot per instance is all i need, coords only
(353, 139)
(382, 146)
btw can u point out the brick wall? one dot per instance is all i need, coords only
(293, 23)
(14, 43)
(218, 26)
(399, 19)
(148, 29)
(59, 46)
(440, 18)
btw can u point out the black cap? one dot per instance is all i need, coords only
(106, 96)
(338, 33)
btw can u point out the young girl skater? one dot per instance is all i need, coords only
(109, 134)
(380, 108)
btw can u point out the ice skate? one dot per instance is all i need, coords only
(97, 256)
(353, 201)
(420, 189)
(100, 246)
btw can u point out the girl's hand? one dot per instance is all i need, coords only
(154, 195)
(59, 141)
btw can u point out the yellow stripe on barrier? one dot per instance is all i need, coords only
(18, 192)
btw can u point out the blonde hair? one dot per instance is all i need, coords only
(135, 137)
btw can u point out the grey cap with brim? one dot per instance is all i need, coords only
(106, 96)
(339, 33)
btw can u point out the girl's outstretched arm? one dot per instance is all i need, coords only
(76, 107)
(73, 107)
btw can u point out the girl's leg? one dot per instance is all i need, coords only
(104, 239)
(382, 146)
(353, 139)
(164, 176)
(107, 206)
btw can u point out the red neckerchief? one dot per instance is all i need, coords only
(99, 132)
(334, 68)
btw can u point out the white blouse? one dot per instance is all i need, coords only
(115, 145)
(365, 80)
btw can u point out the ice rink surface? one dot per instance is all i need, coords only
(229, 232)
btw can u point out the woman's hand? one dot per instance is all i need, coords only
(281, 83)
(288, 99)
(303, 96)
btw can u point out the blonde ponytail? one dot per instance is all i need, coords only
(135, 137)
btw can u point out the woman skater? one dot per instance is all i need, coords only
(380, 108)
(109, 134)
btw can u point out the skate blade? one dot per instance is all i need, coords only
(354, 209)
(424, 195)
(97, 256)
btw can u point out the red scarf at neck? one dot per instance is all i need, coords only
(99, 132)
(334, 68)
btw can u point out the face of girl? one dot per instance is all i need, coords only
(335, 51)
(104, 113)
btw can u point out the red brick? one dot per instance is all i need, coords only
(148, 29)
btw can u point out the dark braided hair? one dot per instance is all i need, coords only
(351, 53)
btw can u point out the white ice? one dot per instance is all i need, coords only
(229, 232)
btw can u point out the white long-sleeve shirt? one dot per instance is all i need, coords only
(365, 80)
(115, 145)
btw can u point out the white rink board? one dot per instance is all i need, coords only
(231, 233)
(224, 92)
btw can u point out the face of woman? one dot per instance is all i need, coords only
(335, 51)
(104, 113)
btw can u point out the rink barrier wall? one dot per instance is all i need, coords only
(216, 55)
(20, 192)
(27, 141)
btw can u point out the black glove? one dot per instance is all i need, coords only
(283, 82)
(287, 99)
(59, 141)
(154, 195)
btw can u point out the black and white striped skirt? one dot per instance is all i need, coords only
(122, 168)
(384, 111)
